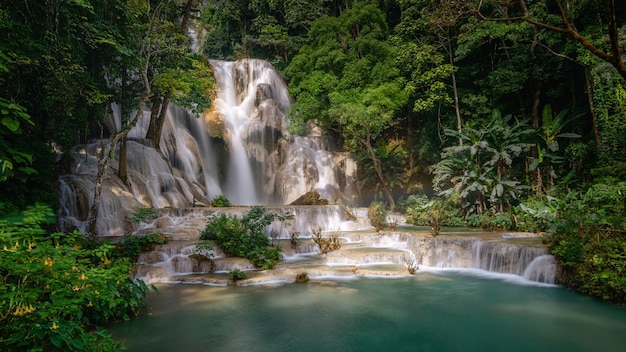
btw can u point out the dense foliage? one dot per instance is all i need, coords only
(244, 237)
(589, 241)
(57, 288)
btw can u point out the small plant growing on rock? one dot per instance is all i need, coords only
(220, 202)
(293, 240)
(132, 246)
(434, 220)
(143, 215)
(377, 214)
(325, 244)
(237, 275)
(302, 278)
(411, 264)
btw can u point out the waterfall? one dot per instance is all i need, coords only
(240, 148)
(531, 263)
(268, 165)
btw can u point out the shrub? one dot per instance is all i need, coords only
(132, 246)
(434, 220)
(490, 221)
(420, 211)
(411, 264)
(302, 278)
(377, 214)
(54, 292)
(325, 244)
(143, 215)
(244, 237)
(220, 202)
(588, 241)
(237, 275)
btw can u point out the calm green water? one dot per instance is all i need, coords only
(427, 312)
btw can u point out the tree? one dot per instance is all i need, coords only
(482, 165)
(12, 116)
(156, 55)
(428, 25)
(345, 79)
(542, 16)
(547, 147)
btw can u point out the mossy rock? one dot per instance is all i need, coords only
(310, 198)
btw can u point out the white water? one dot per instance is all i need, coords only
(363, 252)
(240, 148)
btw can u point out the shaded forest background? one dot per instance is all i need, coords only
(413, 85)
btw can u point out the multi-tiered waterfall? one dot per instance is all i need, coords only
(240, 149)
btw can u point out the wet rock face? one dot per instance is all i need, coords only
(310, 198)
(240, 148)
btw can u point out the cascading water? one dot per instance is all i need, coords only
(363, 251)
(267, 165)
(240, 149)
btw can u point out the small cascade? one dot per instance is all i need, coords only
(531, 263)
(542, 269)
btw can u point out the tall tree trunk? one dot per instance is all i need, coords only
(457, 108)
(157, 118)
(185, 21)
(535, 175)
(592, 109)
(379, 173)
(122, 169)
(106, 154)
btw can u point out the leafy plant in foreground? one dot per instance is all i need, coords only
(55, 292)
(588, 241)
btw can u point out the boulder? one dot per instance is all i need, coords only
(310, 198)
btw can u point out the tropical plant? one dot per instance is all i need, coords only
(483, 164)
(543, 165)
(391, 156)
(57, 290)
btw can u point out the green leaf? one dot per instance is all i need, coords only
(10, 123)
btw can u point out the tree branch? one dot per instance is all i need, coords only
(614, 58)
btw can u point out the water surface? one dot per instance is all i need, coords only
(440, 311)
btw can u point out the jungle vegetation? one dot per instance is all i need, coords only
(496, 113)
